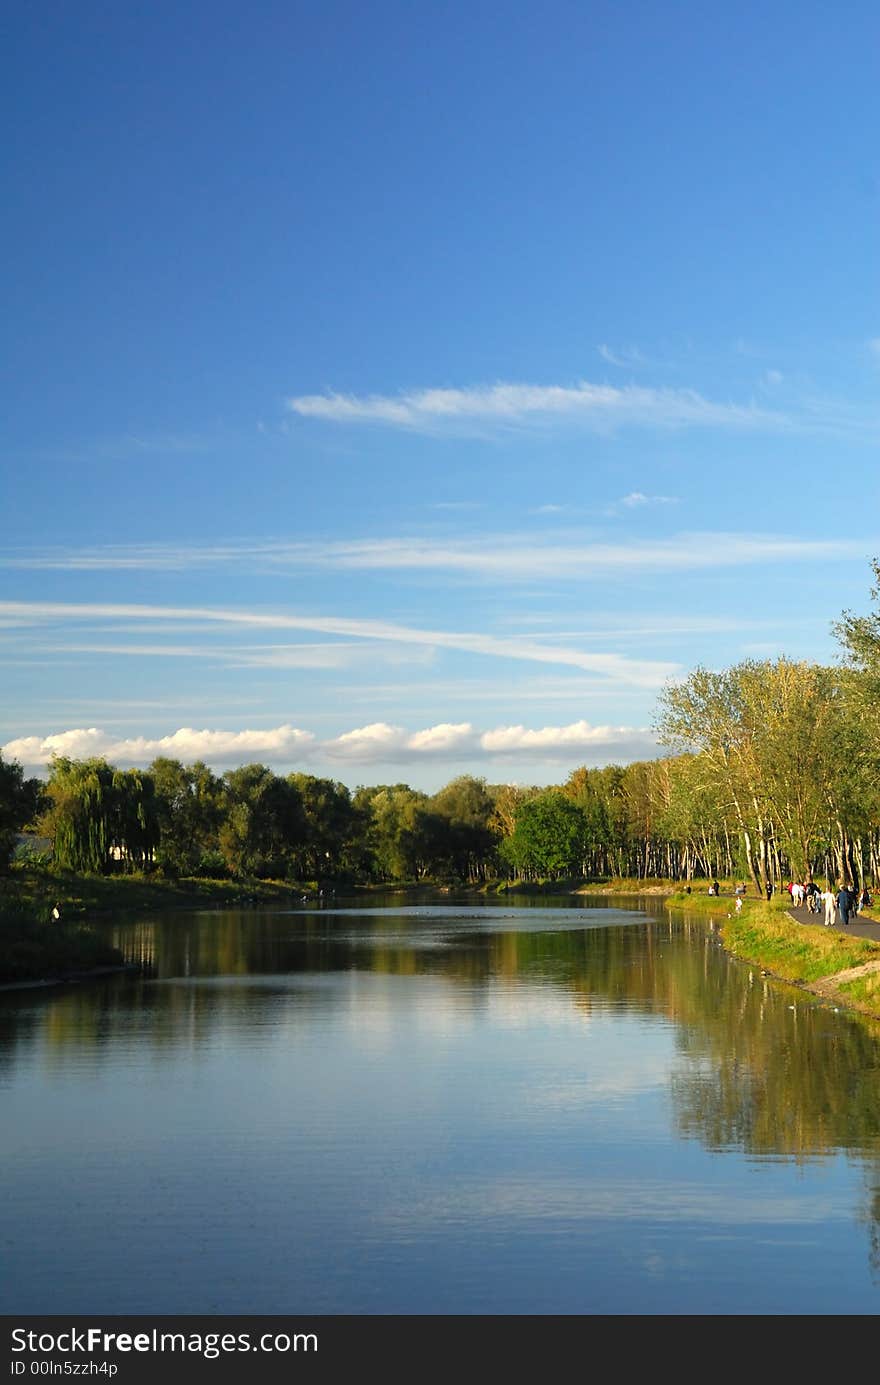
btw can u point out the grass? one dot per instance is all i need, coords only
(32, 892)
(31, 950)
(864, 991)
(628, 884)
(34, 947)
(805, 954)
(794, 951)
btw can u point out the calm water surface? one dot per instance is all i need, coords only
(436, 1109)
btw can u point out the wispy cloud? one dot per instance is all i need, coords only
(324, 655)
(508, 556)
(375, 743)
(601, 407)
(625, 357)
(640, 672)
(638, 498)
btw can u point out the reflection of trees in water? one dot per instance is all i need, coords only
(754, 1073)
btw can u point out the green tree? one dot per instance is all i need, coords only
(398, 831)
(20, 803)
(548, 839)
(465, 842)
(79, 815)
(263, 822)
(331, 827)
(189, 809)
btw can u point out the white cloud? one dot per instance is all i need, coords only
(447, 736)
(624, 357)
(636, 498)
(380, 741)
(602, 407)
(227, 747)
(375, 743)
(507, 556)
(643, 672)
(579, 738)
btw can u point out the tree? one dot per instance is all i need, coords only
(20, 801)
(189, 809)
(80, 794)
(549, 837)
(331, 825)
(465, 841)
(398, 831)
(262, 822)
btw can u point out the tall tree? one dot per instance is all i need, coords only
(189, 808)
(262, 822)
(20, 802)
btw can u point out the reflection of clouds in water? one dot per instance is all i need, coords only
(518, 1006)
(600, 1088)
(508, 1201)
(383, 1010)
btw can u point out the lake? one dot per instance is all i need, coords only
(553, 1106)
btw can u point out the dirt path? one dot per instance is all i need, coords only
(829, 984)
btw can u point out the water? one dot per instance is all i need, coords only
(436, 1109)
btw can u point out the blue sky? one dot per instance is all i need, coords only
(398, 391)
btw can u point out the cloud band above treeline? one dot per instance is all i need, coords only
(589, 405)
(376, 743)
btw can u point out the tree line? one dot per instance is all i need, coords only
(773, 773)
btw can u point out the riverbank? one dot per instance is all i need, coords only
(38, 953)
(628, 885)
(33, 892)
(829, 963)
(35, 948)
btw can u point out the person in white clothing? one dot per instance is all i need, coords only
(830, 902)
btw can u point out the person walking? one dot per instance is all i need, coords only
(844, 903)
(830, 903)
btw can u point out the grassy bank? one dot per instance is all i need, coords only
(808, 955)
(33, 947)
(31, 950)
(32, 892)
(576, 884)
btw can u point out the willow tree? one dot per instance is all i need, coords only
(79, 816)
(133, 818)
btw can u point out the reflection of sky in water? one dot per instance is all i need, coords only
(535, 1123)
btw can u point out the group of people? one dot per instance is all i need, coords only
(843, 903)
(840, 905)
